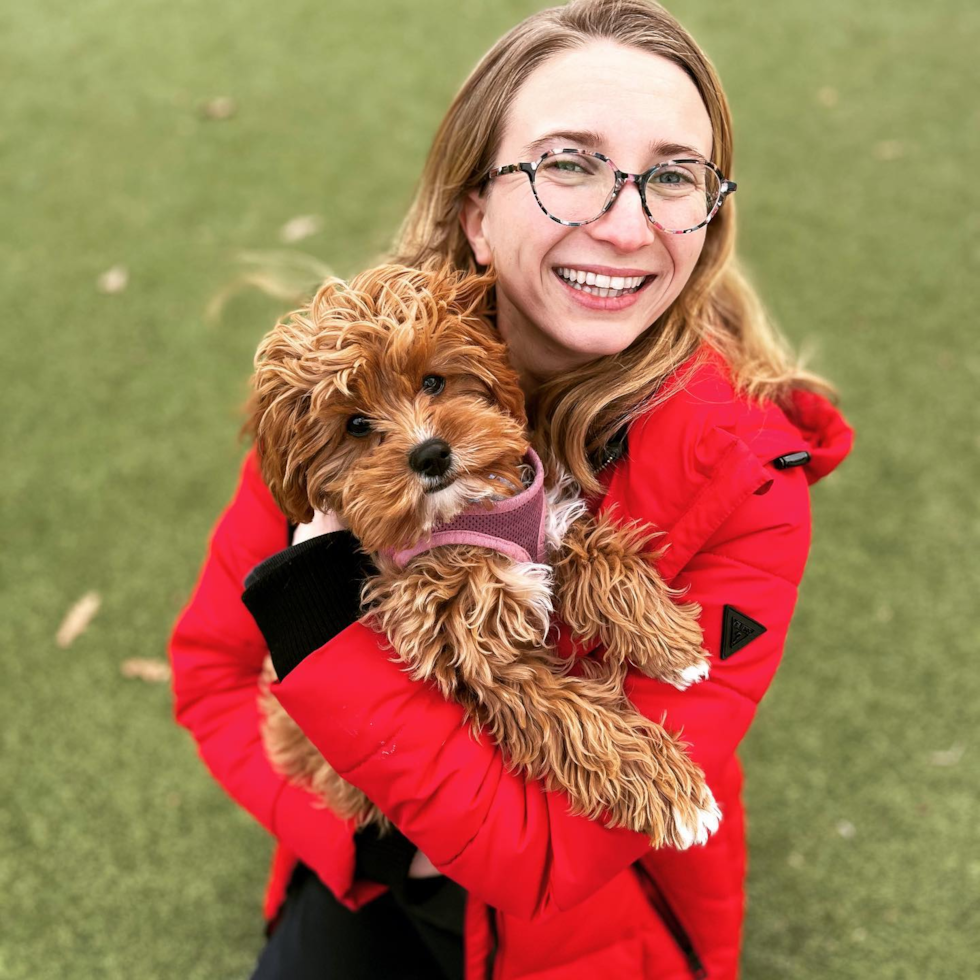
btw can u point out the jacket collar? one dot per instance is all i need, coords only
(689, 462)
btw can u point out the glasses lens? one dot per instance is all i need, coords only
(573, 187)
(682, 193)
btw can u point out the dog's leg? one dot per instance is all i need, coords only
(578, 734)
(607, 589)
(292, 755)
(457, 611)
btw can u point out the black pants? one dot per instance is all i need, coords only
(412, 932)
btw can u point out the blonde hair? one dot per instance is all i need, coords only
(575, 414)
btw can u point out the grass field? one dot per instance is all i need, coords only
(857, 141)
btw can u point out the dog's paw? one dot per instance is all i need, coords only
(682, 679)
(705, 823)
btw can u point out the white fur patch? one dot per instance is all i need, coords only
(534, 580)
(691, 675)
(706, 823)
(438, 506)
(421, 434)
(564, 506)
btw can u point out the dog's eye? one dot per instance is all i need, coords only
(432, 384)
(358, 425)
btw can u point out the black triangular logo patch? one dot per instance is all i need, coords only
(737, 630)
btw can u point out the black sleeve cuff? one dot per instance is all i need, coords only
(306, 594)
(385, 859)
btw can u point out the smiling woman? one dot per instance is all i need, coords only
(651, 375)
(620, 78)
(622, 95)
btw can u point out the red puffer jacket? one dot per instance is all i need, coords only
(550, 896)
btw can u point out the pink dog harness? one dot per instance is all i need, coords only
(515, 526)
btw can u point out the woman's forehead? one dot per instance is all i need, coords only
(608, 97)
(590, 139)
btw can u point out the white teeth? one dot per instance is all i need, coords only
(601, 285)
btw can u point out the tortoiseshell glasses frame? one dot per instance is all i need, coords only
(725, 186)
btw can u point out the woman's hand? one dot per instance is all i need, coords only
(422, 867)
(323, 523)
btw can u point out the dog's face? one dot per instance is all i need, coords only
(389, 401)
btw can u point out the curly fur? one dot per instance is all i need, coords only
(465, 618)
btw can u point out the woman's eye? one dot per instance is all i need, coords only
(673, 177)
(432, 384)
(358, 425)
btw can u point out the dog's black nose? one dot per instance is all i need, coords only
(431, 458)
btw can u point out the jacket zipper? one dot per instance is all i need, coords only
(492, 956)
(612, 450)
(662, 908)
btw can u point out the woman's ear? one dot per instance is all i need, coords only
(472, 212)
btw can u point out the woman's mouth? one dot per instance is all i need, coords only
(600, 292)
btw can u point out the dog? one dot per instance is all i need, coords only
(390, 400)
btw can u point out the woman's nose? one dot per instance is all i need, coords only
(625, 224)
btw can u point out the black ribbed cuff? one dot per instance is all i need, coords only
(385, 859)
(306, 594)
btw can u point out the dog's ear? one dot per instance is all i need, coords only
(460, 292)
(475, 299)
(284, 392)
(470, 298)
(472, 294)
(506, 384)
(471, 345)
(278, 407)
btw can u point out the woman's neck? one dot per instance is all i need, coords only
(532, 354)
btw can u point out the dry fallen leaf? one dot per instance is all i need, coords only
(113, 280)
(77, 619)
(220, 107)
(299, 228)
(146, 669)
(889, 149)
(950, 757)
(827, 96)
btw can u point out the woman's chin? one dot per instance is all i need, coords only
(592, 344)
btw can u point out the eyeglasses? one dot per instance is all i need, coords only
(575, 187)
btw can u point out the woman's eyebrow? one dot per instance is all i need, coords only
(587, 139)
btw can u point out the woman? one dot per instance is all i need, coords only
(668, 395)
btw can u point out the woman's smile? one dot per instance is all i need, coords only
(595, 291)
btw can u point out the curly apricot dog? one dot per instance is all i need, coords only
(390, 400)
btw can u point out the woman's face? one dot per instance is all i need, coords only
(631, 100)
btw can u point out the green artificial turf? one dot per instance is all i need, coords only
(857, 141)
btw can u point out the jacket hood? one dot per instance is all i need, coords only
(825, 430)
(810, 423)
